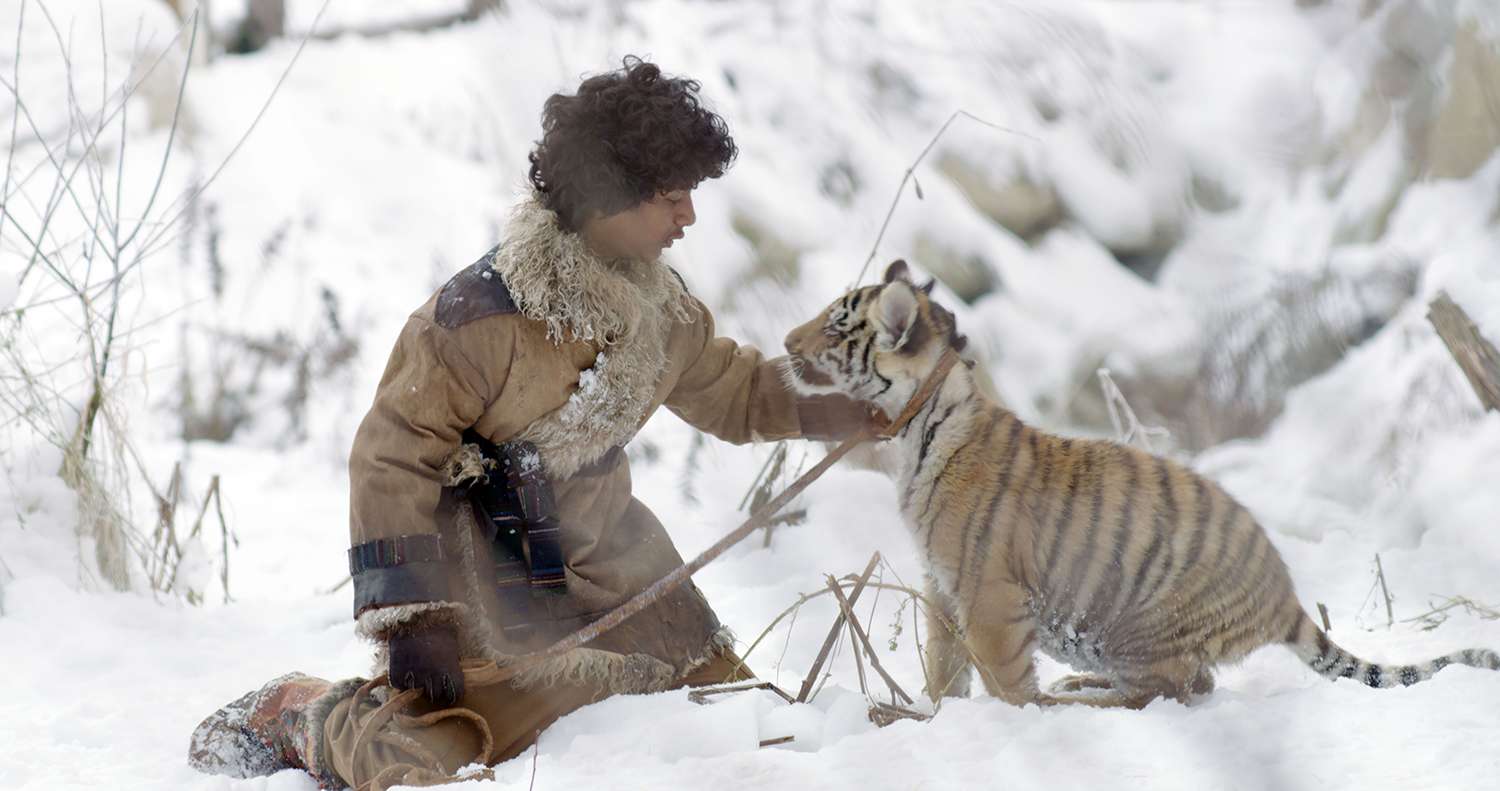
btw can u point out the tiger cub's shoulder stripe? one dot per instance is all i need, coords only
(984, 522)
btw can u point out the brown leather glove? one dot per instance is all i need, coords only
(424, 657)
(834, 418)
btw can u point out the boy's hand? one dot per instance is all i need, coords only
(424, 657)
(834, 418)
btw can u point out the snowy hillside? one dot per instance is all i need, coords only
(1241, 210)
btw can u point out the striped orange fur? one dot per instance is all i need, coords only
(1131, 568)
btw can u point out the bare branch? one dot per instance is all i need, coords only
(161, 173)
(15, 119)
(188, 198)
(909, 176)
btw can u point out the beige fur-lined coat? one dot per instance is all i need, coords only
(588, 351)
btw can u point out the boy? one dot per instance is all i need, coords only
(490, 502)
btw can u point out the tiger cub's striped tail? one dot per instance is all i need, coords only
(1333, 663)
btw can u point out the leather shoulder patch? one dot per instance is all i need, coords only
(473, 293)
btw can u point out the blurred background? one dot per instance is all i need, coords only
(1212, 228)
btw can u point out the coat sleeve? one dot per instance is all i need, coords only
(734, 393)
(430, 392)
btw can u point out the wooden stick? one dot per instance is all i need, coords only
(1323, 611)
(833, 633)
(1475, 355)
(778, 740)
(702, 694)
(1384, 591)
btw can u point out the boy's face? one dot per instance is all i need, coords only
(644, 231)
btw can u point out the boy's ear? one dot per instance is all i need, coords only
(897, 270)
(896, 312)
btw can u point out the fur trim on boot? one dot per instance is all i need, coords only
(279, 726)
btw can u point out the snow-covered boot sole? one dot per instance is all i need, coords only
(262, 732)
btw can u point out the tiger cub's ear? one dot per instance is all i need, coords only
(896, 314)
(897, 270)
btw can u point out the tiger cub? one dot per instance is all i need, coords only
(1128, 567)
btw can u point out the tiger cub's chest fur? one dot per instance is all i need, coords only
(966, 487)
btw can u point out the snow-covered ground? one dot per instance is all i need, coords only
(1220, 148)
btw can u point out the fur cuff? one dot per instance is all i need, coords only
(619, 674)
(379, 623)
(603, 670)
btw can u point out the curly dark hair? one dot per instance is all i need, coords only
(625, 135)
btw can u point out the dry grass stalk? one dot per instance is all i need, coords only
(1475, 355)
(777, 740)
(883, 714)
(536, 750)
(762, 489)
(864, 640)
(701, 695)
(89, 269)
(1385, 592)
(851, 581)
(227, 537)
(833, 633)
(859, 660)
(1439, 614)
(1128, 428)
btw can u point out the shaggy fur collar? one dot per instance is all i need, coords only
(624, 306)
(554, 278)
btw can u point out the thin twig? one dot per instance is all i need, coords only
(1390, 619)
(536, 749)
(758, 476)
(15, 117)
(225, 535)
(90, 146)
(161, 173)
(150, 243)
(1435, 617)
(909, 175)
(702, 694)
(1128, 427)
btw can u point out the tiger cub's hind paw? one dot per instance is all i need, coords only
(1079, 682)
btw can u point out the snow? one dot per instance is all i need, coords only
(1231, 140)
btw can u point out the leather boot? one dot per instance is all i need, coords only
(279, 726)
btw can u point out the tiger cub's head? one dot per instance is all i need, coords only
(873, 341)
